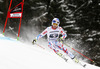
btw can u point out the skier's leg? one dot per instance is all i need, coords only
(70, 54)
(59, 45)
(62, 47)
(51, 46)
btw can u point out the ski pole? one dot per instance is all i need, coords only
(39, 46)
(79, 52)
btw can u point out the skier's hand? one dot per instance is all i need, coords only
(61, 39)
(34, 40)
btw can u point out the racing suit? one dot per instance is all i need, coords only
(52, 36)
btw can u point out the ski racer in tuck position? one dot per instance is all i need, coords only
(53, 33)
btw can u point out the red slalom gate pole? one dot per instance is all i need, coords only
(19, 29)
(15, 14)
(79, 53)
(20, 20)
(7, 16)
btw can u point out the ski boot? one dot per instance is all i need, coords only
(60, 54)
(76, 60)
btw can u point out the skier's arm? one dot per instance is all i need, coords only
(42, 34)
(64, 35)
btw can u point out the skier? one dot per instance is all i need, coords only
(53, 33)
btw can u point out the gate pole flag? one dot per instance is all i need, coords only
(15, 12)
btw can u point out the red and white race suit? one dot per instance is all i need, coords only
(52, 36)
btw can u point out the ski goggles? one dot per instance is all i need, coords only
(55, 24)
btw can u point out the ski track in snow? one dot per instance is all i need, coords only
(17, 55)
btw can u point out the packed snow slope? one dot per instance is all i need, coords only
(17, 55)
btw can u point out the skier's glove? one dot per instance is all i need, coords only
(61, 39)
(34, 41)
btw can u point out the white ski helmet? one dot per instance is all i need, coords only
(56, 20)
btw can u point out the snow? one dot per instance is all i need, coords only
(76, 28)
(70, 22)
(75, 34)
(98, 33)
(94, 33)
(39, 16)
(72, 5)
(68, 26)
(89, 39)
(99, 4)
(91, 35)
(1, 0)
(1, 35)
(1, 12)
(63, 5)
(17, 55)
(40, 7)
(62, 1)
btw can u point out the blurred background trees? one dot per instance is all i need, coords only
(80, 18)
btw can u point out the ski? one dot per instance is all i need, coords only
(62, 56)
(77, 61)
(84, 65)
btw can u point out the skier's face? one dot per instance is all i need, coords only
(55, 25)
